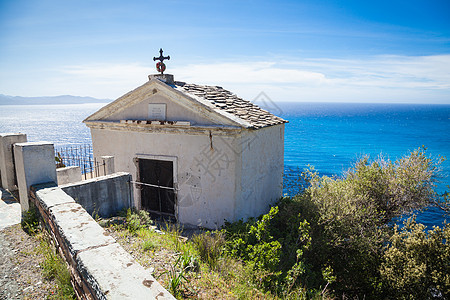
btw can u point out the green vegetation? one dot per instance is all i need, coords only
(54, 266)
(30, 221)
(416, 264)
(137, 220)
(336, 238)
(59, 161)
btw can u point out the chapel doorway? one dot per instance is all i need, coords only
(157, 186)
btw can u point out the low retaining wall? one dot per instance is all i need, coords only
(100, 268)
(68, 175)
(103, 196)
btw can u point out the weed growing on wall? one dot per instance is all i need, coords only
(30, 220)
(53, 266)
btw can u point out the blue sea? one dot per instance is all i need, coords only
(329, 136)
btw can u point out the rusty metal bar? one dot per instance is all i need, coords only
(155, 186)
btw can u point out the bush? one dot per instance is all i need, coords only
(137, 220)
(271, 246)
(352, 216)
(332, 236)
(416, 264)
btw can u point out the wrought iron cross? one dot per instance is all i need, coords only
(160, 66)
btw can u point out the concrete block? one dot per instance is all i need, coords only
(7, 169)
(35, 164)
(9, 210)
(68, 175)
(119, 276)
(77, 228)
(104, 195)
(108, 162)
(49, 197)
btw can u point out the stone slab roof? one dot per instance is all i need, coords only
(228, 102)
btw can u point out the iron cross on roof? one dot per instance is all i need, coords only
(160, 66)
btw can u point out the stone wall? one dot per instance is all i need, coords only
(100, 268)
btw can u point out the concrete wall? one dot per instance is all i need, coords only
(100, 268)
(68, 175)
(105, 195)
(7, 165)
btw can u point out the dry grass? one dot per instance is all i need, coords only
(206, 274)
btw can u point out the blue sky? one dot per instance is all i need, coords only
(332, 51)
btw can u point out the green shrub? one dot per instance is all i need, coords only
(330, 238)
(416, 264)
(351, 217)
(137, 220)
(271, 246)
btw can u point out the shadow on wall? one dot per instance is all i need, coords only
(103, 196)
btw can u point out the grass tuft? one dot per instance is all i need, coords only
(54, 266)
(209, 247)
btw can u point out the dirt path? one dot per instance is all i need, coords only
(9, 288)
(20, 273)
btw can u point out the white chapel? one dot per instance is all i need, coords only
(197, 153)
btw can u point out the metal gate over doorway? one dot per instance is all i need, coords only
(156, 185)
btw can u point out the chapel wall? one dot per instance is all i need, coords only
(262, 170)
(206, 172)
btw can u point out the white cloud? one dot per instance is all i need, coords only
(105, 80)
(374, 79)
(248, 73)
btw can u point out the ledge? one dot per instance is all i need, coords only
(156, 123)
(142, 126)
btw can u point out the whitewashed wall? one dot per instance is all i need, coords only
(206, 178)
(262, 168)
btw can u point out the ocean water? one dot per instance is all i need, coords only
(329, 136)
(333, 136)
(60, 124)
